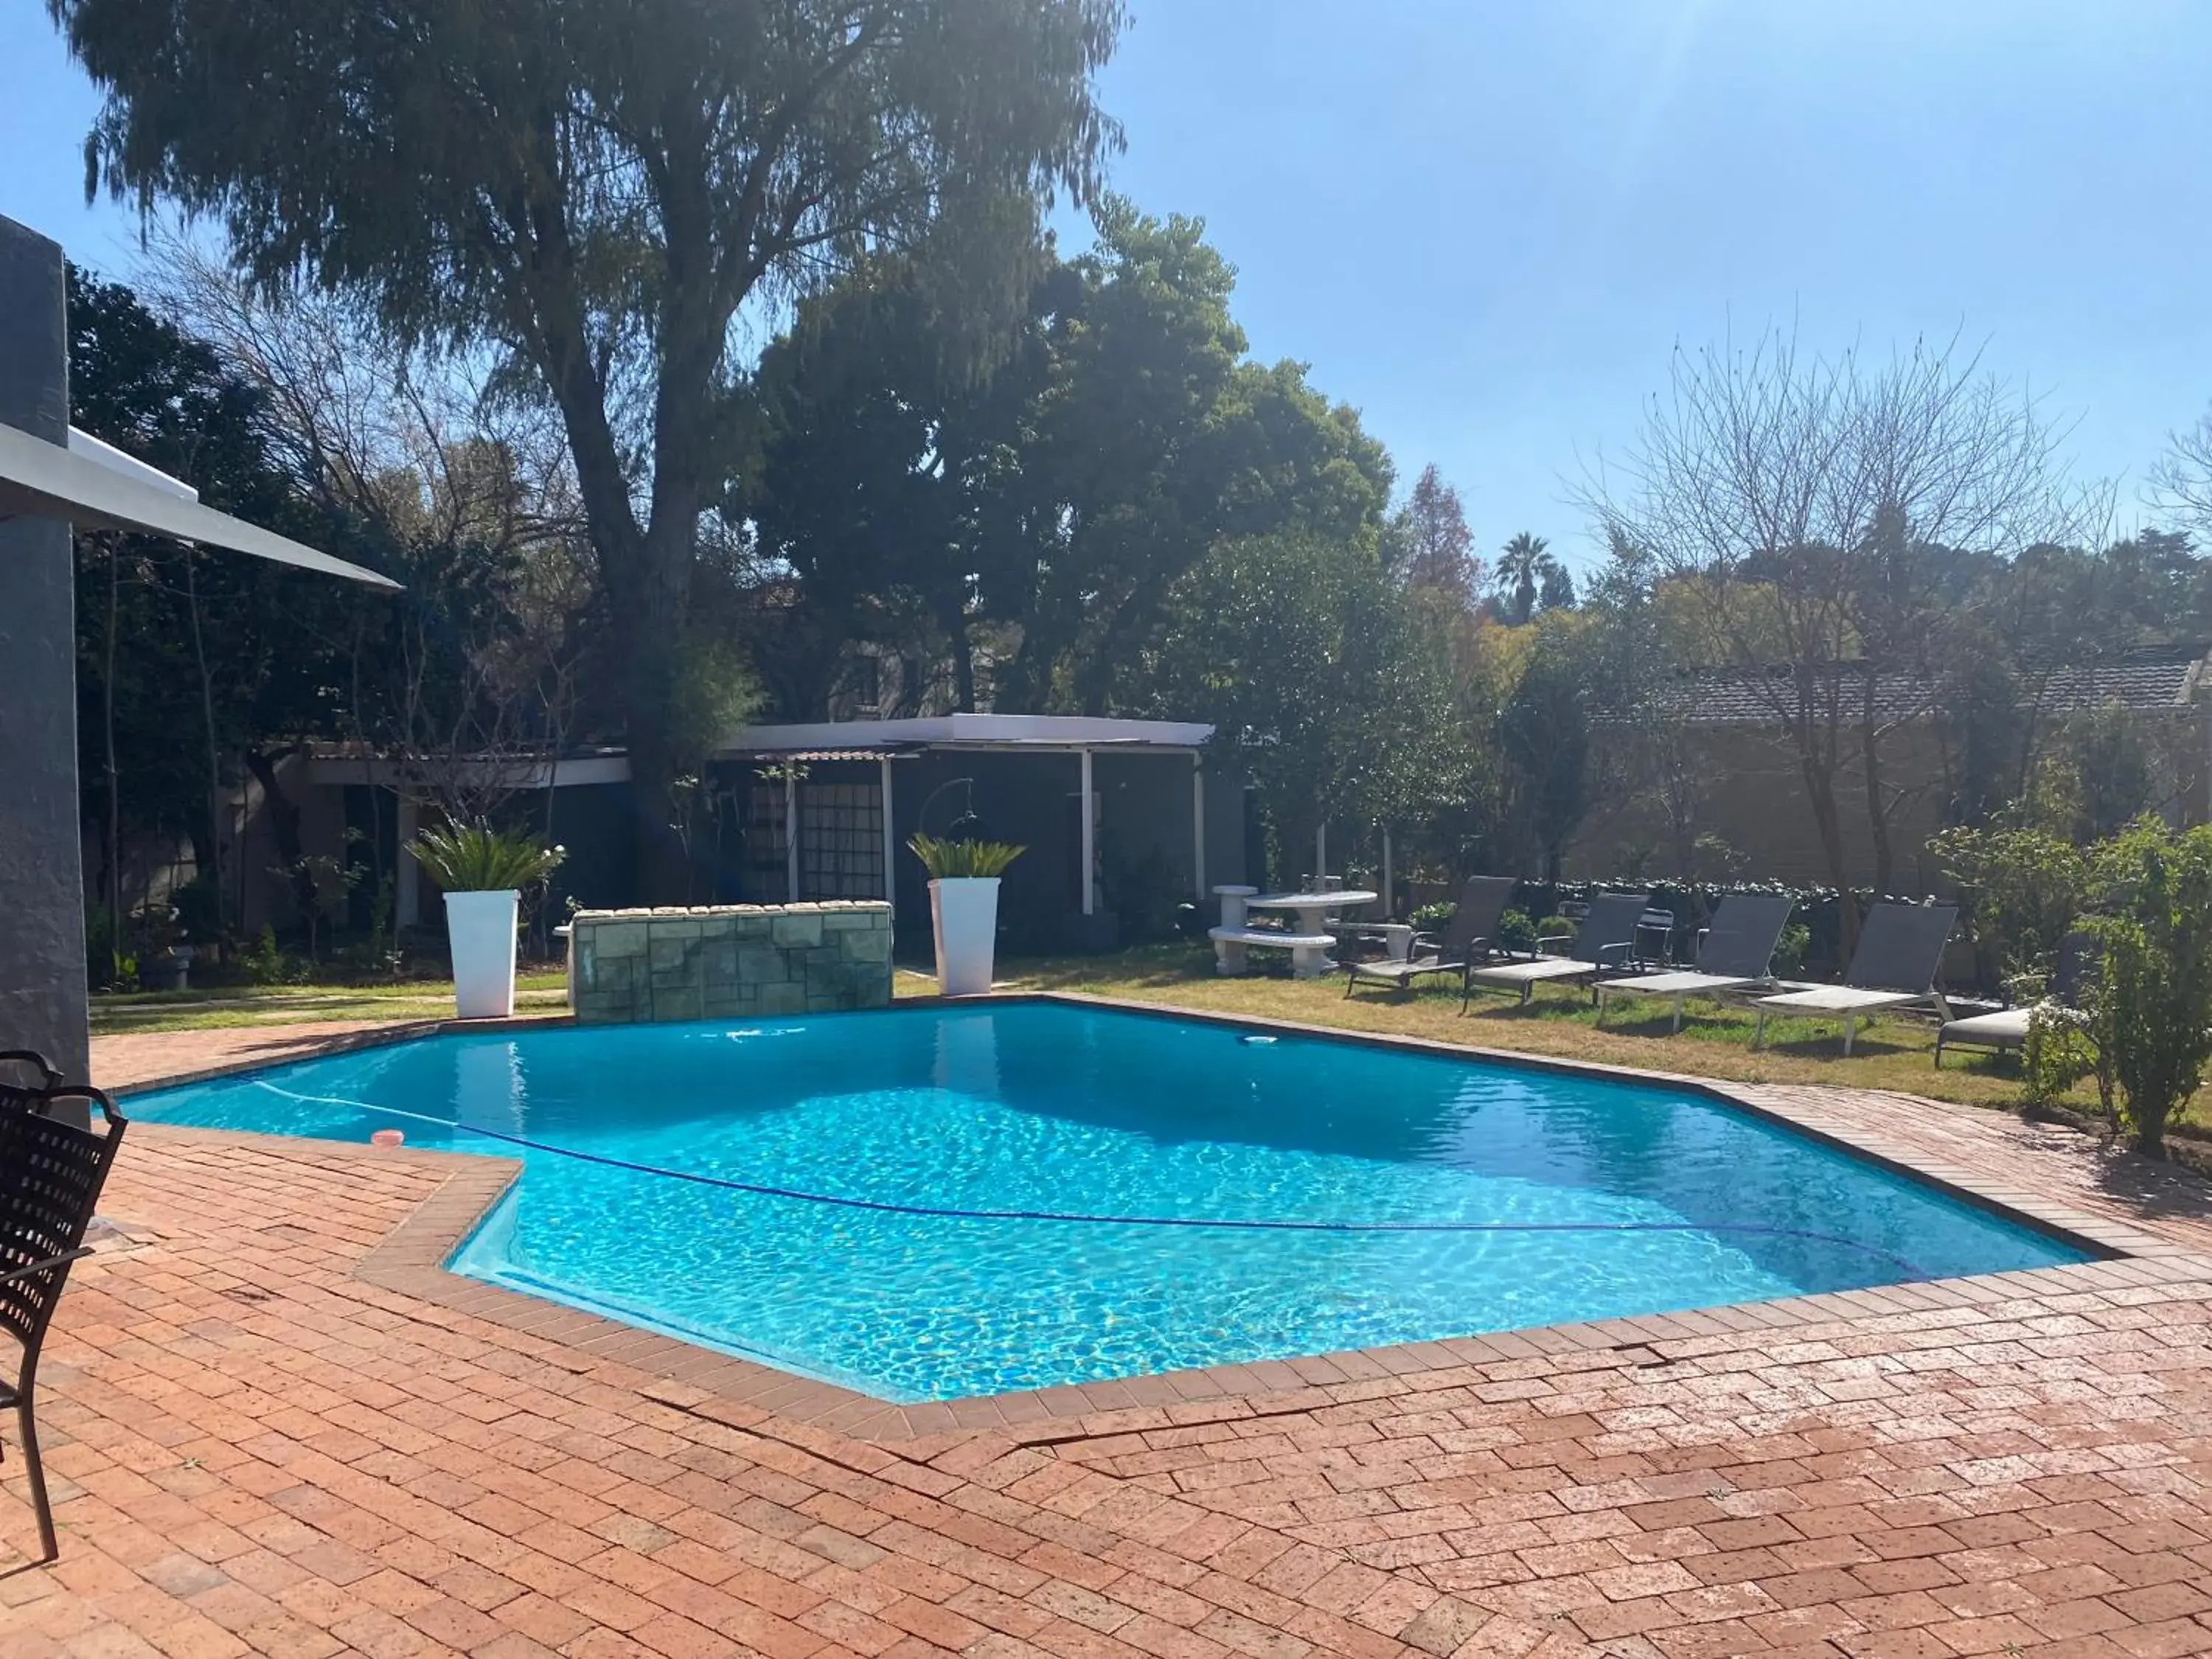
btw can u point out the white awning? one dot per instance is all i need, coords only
(84, 488)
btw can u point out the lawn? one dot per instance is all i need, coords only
(543, 992)
(1895, 1054)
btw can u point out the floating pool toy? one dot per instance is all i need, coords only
(387, 1138)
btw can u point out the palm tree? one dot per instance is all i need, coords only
(1521, 567)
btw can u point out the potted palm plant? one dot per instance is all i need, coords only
(963, 908)
(483, 872)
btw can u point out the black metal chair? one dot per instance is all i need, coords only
(50, 1174)
(14, 1062)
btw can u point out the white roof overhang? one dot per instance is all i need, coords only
(96, 487)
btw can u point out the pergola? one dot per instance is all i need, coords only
(53, 477)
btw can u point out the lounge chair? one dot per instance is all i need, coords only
(1900, 953)
(50, 1174)
(2009, 1028)
(1607, 940)
(1465, 941)
(1736, 953)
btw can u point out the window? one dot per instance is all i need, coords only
(841, 840)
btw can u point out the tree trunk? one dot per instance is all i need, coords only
(1820, 790)
(1885, 855)
(213, 866)
(285, 829)
(954, 620)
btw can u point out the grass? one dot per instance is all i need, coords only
(293, 1004)
(1894, 1052)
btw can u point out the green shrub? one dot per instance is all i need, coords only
(475, 858)
(2150, 1005)
(953, 861)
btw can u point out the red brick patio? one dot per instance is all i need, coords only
(261, 1452)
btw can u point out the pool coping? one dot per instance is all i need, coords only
(410, 1261)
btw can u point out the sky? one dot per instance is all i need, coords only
(1488, 225)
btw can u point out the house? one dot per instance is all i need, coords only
(1710, 759)
(1122, 820)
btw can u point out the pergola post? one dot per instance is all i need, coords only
(1198, 829)
(43, 1000)
(790, 833)
(1090, 853)
(891, 845)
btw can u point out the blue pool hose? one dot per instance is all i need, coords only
(884, 1207)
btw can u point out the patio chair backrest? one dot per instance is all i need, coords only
(1901, 947)
(50, 1174)
(1745, 932)
(25, 1074)
(1611, 920)
(1482, 906)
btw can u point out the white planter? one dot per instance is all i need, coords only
(965, 912)
(481, 928)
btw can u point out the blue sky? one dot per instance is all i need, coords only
(1488, 225)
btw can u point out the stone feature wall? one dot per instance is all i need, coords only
(730, 962)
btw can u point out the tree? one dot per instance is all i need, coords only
(187, 664)
(593, 192)
(1831, 515)
(1429, 544)
(1526, 571)
(1328, 683)
(1558, 592)
(1055, 499)
(1544, 731)
(2150, 1003)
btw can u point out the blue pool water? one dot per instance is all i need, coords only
(1441, 1197)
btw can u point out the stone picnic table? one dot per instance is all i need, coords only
(1305, 936)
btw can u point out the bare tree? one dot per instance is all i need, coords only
(473, 693)
(1824, 507)
(2181, 479)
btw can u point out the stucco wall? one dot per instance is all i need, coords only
(42, 979)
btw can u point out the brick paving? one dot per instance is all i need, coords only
(259, 1450)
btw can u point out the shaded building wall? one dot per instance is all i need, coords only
(43, 1003)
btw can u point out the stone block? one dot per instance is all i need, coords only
(786, 997)
(679, 1002)
(618, 939)
(758, 965)
(803, 930)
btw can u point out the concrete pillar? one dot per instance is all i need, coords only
(42, 989)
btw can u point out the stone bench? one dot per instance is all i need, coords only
(729, 962)
(1308, 951)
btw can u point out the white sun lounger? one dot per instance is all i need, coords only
(1736, 954)
(2008, 1027)
(1900, 950)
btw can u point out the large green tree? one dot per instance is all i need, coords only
(1328, 683)
(1115, 433)
(597, 189)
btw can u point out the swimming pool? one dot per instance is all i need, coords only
(1153, 1192)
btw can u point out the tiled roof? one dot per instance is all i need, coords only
(1741, 697)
